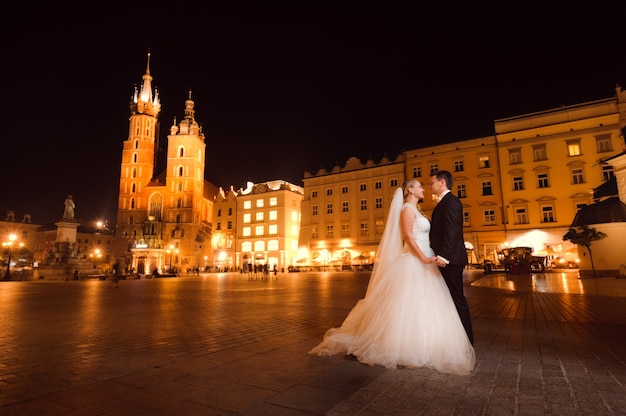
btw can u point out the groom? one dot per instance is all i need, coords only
(446, 239)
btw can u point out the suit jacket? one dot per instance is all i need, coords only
(446, 230)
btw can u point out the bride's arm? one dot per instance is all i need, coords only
(406, 229)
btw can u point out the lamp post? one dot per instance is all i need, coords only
(8, 245)
(171, 251)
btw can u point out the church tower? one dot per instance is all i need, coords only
(163, 217)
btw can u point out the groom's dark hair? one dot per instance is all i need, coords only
(446, 176)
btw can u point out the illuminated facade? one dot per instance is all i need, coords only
(520, 187)
(268, 219)
(344, 211)
(164, 217)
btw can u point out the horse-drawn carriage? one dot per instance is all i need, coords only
(516, 260)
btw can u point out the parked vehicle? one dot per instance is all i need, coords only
(516, 260)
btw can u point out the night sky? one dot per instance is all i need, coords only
(281, 91)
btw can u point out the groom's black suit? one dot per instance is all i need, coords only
(446, 239)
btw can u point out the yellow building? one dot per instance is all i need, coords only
(268, 218)
(344, 211)
(224, 233)
(550, 163)
(521, 187)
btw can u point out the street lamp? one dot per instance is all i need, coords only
(8, 245)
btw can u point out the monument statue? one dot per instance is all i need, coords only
(69, 208)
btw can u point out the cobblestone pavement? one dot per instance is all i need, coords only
(221, 344)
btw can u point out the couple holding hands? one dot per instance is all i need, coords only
(414, 313)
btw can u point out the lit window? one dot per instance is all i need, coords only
(247, 204)
(273, 215)
(483, 162)
(573, 147)
(260, 203)
(246, 231)
(273, 201)
(247, 218)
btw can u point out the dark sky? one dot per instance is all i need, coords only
(280, 91)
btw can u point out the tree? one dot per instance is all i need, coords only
(584, 236)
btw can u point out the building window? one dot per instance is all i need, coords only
(487, 190)
(329, 192)
(393, 183)
(607, 173)
(314, 210)
(378, 202)
(573, 147)
(218, 226)
(344, 206)
(219, 212)
(344, 189)
(273, 201)
(547, 213)
(247, 218)
(458, 166)
(363, 204)
(378, 185)
(247, 204)
(314, 232)
(273, 215)
(515, 156)
(260, 203)
(259, 216)
(520, 216)
(345, 229)
(330, 231)
(539, 152)
(364, 229)
(329, 208)
(577, 176)
(542, 180)
(363, 187)
(272, 229)
(259, 230)
(461, 192)
(489, 217)
(417, 172)
(603, 143)
(230, 225)
(466, 219)
(313, 194)
(518, 183)
(247, 231)
(433, 168)
(483, 162)
(380, 226)
(230, 211)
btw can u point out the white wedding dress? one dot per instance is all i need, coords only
(407, 317)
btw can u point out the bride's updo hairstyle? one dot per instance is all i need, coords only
(408, 184)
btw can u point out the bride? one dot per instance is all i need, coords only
(407, 317)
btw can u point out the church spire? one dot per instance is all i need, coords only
(143, 100)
